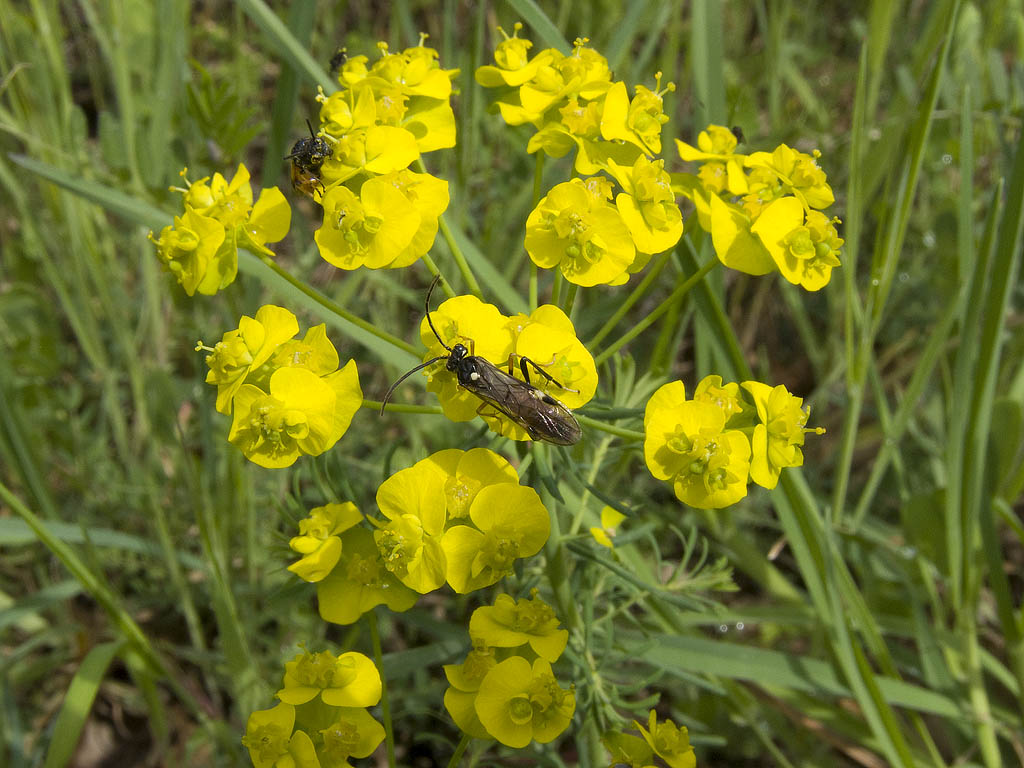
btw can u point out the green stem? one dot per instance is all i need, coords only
(374, 405)
(446, 232)
(538, 184)
(457, 754)
(432, 267)
(632, 299)
(662, 308)
(556, 288)
(570, 298)
(336, 308)
(385, 704)
(629, 434)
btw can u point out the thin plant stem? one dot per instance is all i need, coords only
(611, 429)
(556, 288)
(460, 259)
(662, 308)
(457, 754)
(432, 267)
(570, 298)
(385, 704)
(633, 298)
(533, 286)
(374, 405)
(336, 308)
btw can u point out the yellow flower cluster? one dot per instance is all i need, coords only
(377, 213)
(322, 718)
(201, 248)
(505, 689)
(763, 210)
(575, 105)
(287, 397)
(546, 336)
(459, 517)
(710, 447)
(667, 740)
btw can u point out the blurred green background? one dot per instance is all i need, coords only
(879, 593)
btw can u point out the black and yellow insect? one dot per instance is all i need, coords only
(308, 156)
(542, 416)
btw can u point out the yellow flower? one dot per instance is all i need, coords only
(464, 681)
(511, 522)
(353, 733)
(371, 230)
(669, 741)
(512, 623)
(429, 196)
(519, 703)
(319, 539)
(189, 250)
(804, 251)
(579, 233)
(466, 473)
(359, 582)
(735, 244)
(242, 351)
(303, 414)
(610, 520)
(268, 736)
(409, 541)
(799, 173)
(514, 67)
(710, 389)
(777, 439)
(348, 680)
(686, 443)
(638, 121)
(648, 205)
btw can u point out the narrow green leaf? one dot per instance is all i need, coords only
(286, 45)
(540, 25)
(78, 703)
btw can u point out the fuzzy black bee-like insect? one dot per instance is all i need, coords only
(542, 416)
(308, 156)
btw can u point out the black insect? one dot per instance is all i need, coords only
(541, 415)
(308, 156)
(738, 133)
(337, 61)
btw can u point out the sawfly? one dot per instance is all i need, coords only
(542, 416)
(308, 156)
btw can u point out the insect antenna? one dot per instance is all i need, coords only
(310, 126)
(430, 290)
(406, 375)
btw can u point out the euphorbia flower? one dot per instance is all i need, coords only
(269, 738)
(777, 439)
(189, 251)
(413, 501)
(687, 444)
(354, 733)
(319, 539)
(669, 741)
(464, 681)
(348, 680)
(518, 703)
(242, 351)
(359, 582)
(804, 251)
(582, 235)
(466, 473)
(648, 205)
(511, 522)
(370, 230)
(511, 623)
(302, 414)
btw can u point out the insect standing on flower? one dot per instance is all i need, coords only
(308, 156)
(542, 416)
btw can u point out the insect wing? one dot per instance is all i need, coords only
(541, 415)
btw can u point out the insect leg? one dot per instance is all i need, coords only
(536, 366)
